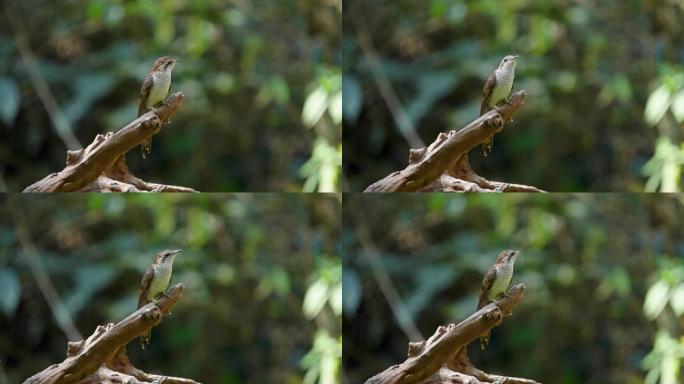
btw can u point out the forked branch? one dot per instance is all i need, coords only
(443, 166)
(443, 358)
(102, 165)
(102, 358)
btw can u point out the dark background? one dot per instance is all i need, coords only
(604, 82)
(604, 301)
(262, 85)
(262, 302)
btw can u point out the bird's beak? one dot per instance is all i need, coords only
(178, 61)
(175, 252)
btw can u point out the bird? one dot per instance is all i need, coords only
(496, 282)
(154, 90)
(154, 283)
(496, 90)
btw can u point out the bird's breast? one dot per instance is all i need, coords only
(161, 83)
(504, 84)
(162, 277)
(504, 274)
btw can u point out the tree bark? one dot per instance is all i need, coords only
(102, 358)
(443, 358)
(444, 167)
(101, 167)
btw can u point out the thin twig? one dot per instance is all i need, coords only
(401, 313)
(30, 254)
(59, 119)
(387, 92)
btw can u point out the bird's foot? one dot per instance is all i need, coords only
(159, 296)
(501, 296)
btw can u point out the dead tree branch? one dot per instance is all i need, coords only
(444, 167)
(101, 167)
(443, 358)
(102, 358)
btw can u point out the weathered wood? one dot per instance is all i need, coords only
(443, 166)
(443, 358)
(101, 167)
(102, 358)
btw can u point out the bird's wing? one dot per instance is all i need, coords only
(144, 285)
(487, 92)
(144, 92)
(486, 284)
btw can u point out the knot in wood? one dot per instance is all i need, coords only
(416, 155)
(73, 347)
(74, 156)
(415, 348)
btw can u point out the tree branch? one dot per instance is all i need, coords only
(444, 166)
(443, 358)
(102, 165)
(102, 358)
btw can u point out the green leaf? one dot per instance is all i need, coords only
(336, 300)
(657, 105)
(314, 107)
(335, 108)
(10, 291)
(10, 100)
(656, 299)
(280, 280)
(315, 298)
(678, 106)
(677, 300)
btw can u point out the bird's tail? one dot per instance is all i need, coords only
(484, 341)
(145, 339)
(487, 146)
(146, 147)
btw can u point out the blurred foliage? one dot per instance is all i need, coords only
(598, 76)
(248, 70)
(262, 274)
(604, 273)
(664, 304)
(665, 111)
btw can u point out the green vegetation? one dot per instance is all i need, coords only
(605, 90)
(604, 276)
(261, 79)
(263, 282)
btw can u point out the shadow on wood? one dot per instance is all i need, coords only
(101, 167)
(444, 167)
(102, 358)
(443, 358)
